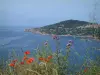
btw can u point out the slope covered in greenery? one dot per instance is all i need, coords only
(67, 24)
(65, 27)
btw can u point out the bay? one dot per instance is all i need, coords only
(17, 39)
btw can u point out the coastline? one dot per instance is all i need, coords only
(75, 36)
(86, 36)
(81, 36)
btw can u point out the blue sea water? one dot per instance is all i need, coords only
(16, 38)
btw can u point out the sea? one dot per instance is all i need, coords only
(14, 38)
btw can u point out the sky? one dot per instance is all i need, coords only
(44, 12)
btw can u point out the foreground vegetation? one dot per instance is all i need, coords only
(46, 62)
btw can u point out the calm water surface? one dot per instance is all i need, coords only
(16, 38)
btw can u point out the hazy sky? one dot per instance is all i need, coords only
(43, 12)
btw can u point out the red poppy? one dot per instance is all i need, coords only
(41, 58)
(25, 57)
(49, 57)
(12, 64)
(46, 60)
(30, 60)
(14, 61)
(86, 69)
(22, 63)
(27, 52)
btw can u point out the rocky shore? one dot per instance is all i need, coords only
(43, 33)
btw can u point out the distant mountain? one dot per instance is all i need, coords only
(67, 24)
(64, 27)
(68, 27)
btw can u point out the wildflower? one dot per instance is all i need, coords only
(55, 37)
(22, 63)
(68, 45)
(41, 58)
(25, 57)
(46, 43)
(27, 52)
(30, 60)
(46, 60)
(70, 41)
(86, 69)
(12, 64)
(14, 61)
(49, 57)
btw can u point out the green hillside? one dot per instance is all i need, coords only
(70, 27)
(64, 27)
(67, 24)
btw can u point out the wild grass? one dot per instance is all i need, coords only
(47, 62)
